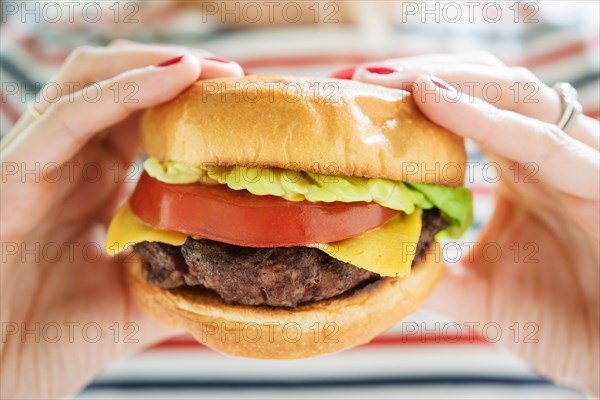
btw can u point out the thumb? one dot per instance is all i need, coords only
(147, 332)
(465, 292)
(461, 294)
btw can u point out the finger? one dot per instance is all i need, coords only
(67, 126)
(212, 66)
(89, 64)
(427, 61)
(418, 62)
(514, 89)
(460, 294)
(93, 64)
(513, 136)
(387, 72)
(467, 289)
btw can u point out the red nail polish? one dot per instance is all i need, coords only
(439, 84)
(347, 73)
(381, 70)
(222, 60)
(170, 62)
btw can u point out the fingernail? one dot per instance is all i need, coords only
(222, 60)
(347, 73)
(381, 70)
(440, 83)
(170, 62)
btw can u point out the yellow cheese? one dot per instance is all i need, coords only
(126, 229)
(387, 250)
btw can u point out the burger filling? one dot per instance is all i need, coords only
(269, 236)
(278, 276)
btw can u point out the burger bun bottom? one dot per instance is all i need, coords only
(306, 331)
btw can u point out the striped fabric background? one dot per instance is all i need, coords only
(403, 362)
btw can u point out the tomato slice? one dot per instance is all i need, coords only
(238, 217)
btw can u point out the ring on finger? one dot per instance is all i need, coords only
(571, 107)
(34, 112)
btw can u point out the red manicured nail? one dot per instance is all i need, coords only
(347, 73)
(439, 84)
(381, 70)
(223, 60)
(170, 62)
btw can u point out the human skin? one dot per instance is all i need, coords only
(79, 287)
(545, 298)
(559, 213)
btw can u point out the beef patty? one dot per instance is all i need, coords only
(279, 276)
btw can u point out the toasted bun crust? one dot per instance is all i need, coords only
(276, 333)
(329, 126)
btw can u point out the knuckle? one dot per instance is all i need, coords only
(81, 54)
(127, 101)
(557, 137)
(57, 108)
(85, 62)
(126, 107)
(553, 141)
(494, 114)
(59, 111)
(523, 75)
(494, 117)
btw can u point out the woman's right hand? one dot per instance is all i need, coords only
(55, 278)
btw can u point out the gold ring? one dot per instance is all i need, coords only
(34, 112)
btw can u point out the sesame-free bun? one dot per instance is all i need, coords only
(329, 126)
(305, 331)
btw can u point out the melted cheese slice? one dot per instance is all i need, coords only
(126, 229)
(387, 250)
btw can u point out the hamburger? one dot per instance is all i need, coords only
(282, 217)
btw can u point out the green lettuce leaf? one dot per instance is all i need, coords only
(455, 205)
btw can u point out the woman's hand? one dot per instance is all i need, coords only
(65, 310)
(552, 283)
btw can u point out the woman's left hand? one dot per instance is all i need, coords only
(539, 283)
